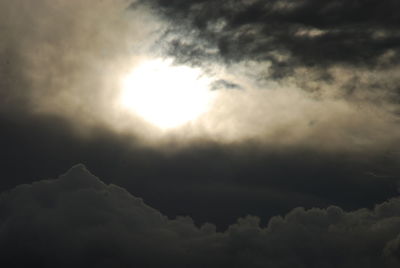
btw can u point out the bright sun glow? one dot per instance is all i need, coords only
(165, 95)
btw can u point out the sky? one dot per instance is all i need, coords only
(197, 133)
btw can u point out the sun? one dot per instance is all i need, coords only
(166, 95)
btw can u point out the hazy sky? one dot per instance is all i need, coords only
(212, 110)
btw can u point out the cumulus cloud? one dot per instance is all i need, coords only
(77, 220)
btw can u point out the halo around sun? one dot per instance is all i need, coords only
(165, 95)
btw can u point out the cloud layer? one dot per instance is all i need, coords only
(286, 74)
(306, 114)
(287, 33)
(77, 220)
(314, 72)
(67, 58)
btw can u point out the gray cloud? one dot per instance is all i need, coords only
(314, 122)
(203, 178)
(72, 62)
(306, 42)
(66, 58)
(309, 32)
(77, 220)
(334, 63)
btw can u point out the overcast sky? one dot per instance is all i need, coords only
(299, 141)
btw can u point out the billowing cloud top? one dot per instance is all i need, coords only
(78, 221)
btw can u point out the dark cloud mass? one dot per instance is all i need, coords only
(77, 220)
(288, 33)
(208, 181)
(303, 111)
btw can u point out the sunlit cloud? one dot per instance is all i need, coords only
(166, 95)
(114, 69)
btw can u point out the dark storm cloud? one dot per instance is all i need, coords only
(287, 33)
(262, 151)
(77, 220)
(202, 180)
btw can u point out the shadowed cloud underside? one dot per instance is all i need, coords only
(77, 220)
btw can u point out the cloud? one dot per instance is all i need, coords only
(309, 32)
(331, 63)
(305, 77)
(66, 58)
(203, 178)
(77, 220)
